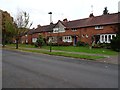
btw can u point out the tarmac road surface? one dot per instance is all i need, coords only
(30, 70)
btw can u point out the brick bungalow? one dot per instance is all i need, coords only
(98, 29)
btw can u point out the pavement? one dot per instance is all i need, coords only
(108, 58)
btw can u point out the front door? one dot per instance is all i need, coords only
(97, 39)
(75, 41)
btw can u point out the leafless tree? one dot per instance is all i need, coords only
(22, 24)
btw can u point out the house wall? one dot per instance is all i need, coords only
(29, 39)
(34, 37)
(90, 31)
(82, 34)
(66, 33)
(23, 39)
(85, 34)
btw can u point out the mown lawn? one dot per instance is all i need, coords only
(74, 49)
(81, 56)
(83, 49)
(22, 45)
(69, 55)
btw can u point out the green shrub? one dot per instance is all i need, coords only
(115, 43)
(103, 45)
(79, 43)
(40, 42)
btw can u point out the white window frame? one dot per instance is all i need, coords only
(98, 27)
(55, 30)
(67, 38)
(83, 36)
(34, 40)
(74, 29)
(104, 38)
(26, 41)
(52, 39)
(87, 36)
(61, 30)
(58, 30)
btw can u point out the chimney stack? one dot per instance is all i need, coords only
(50, 17)
(38, 26)
(65, 20)
(91, 15)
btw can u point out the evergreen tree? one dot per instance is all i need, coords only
(40, 42)
(115, 42)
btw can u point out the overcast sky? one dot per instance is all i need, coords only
(70, 9)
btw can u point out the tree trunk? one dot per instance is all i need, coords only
(17, 43)
(3, 42)
(50, 47)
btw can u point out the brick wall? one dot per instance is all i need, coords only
(85, 34)
(109, 29)
(29, 39)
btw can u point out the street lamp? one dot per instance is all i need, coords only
(50, 43)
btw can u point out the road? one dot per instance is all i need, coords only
(30, 70)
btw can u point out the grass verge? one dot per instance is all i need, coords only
(83, 49)
(89, 57)
(73, 49)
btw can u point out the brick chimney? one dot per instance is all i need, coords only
(38, 26)
(51, 23)
(65, 20)
(91, 15)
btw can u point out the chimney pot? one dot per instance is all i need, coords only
(38, 26)
(91, 15)
(65, 20)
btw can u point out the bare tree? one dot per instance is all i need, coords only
(22, 25)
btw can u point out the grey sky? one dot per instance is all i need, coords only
(70, 9)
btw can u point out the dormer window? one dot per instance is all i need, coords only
(74, 29)
(98, 27)
(58, 30)
(55, 30)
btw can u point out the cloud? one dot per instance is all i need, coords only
(71, 9)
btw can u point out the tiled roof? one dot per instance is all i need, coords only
(30, 31)
(45, 28)
(92, 21)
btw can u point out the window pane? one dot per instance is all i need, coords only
(105, 37)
